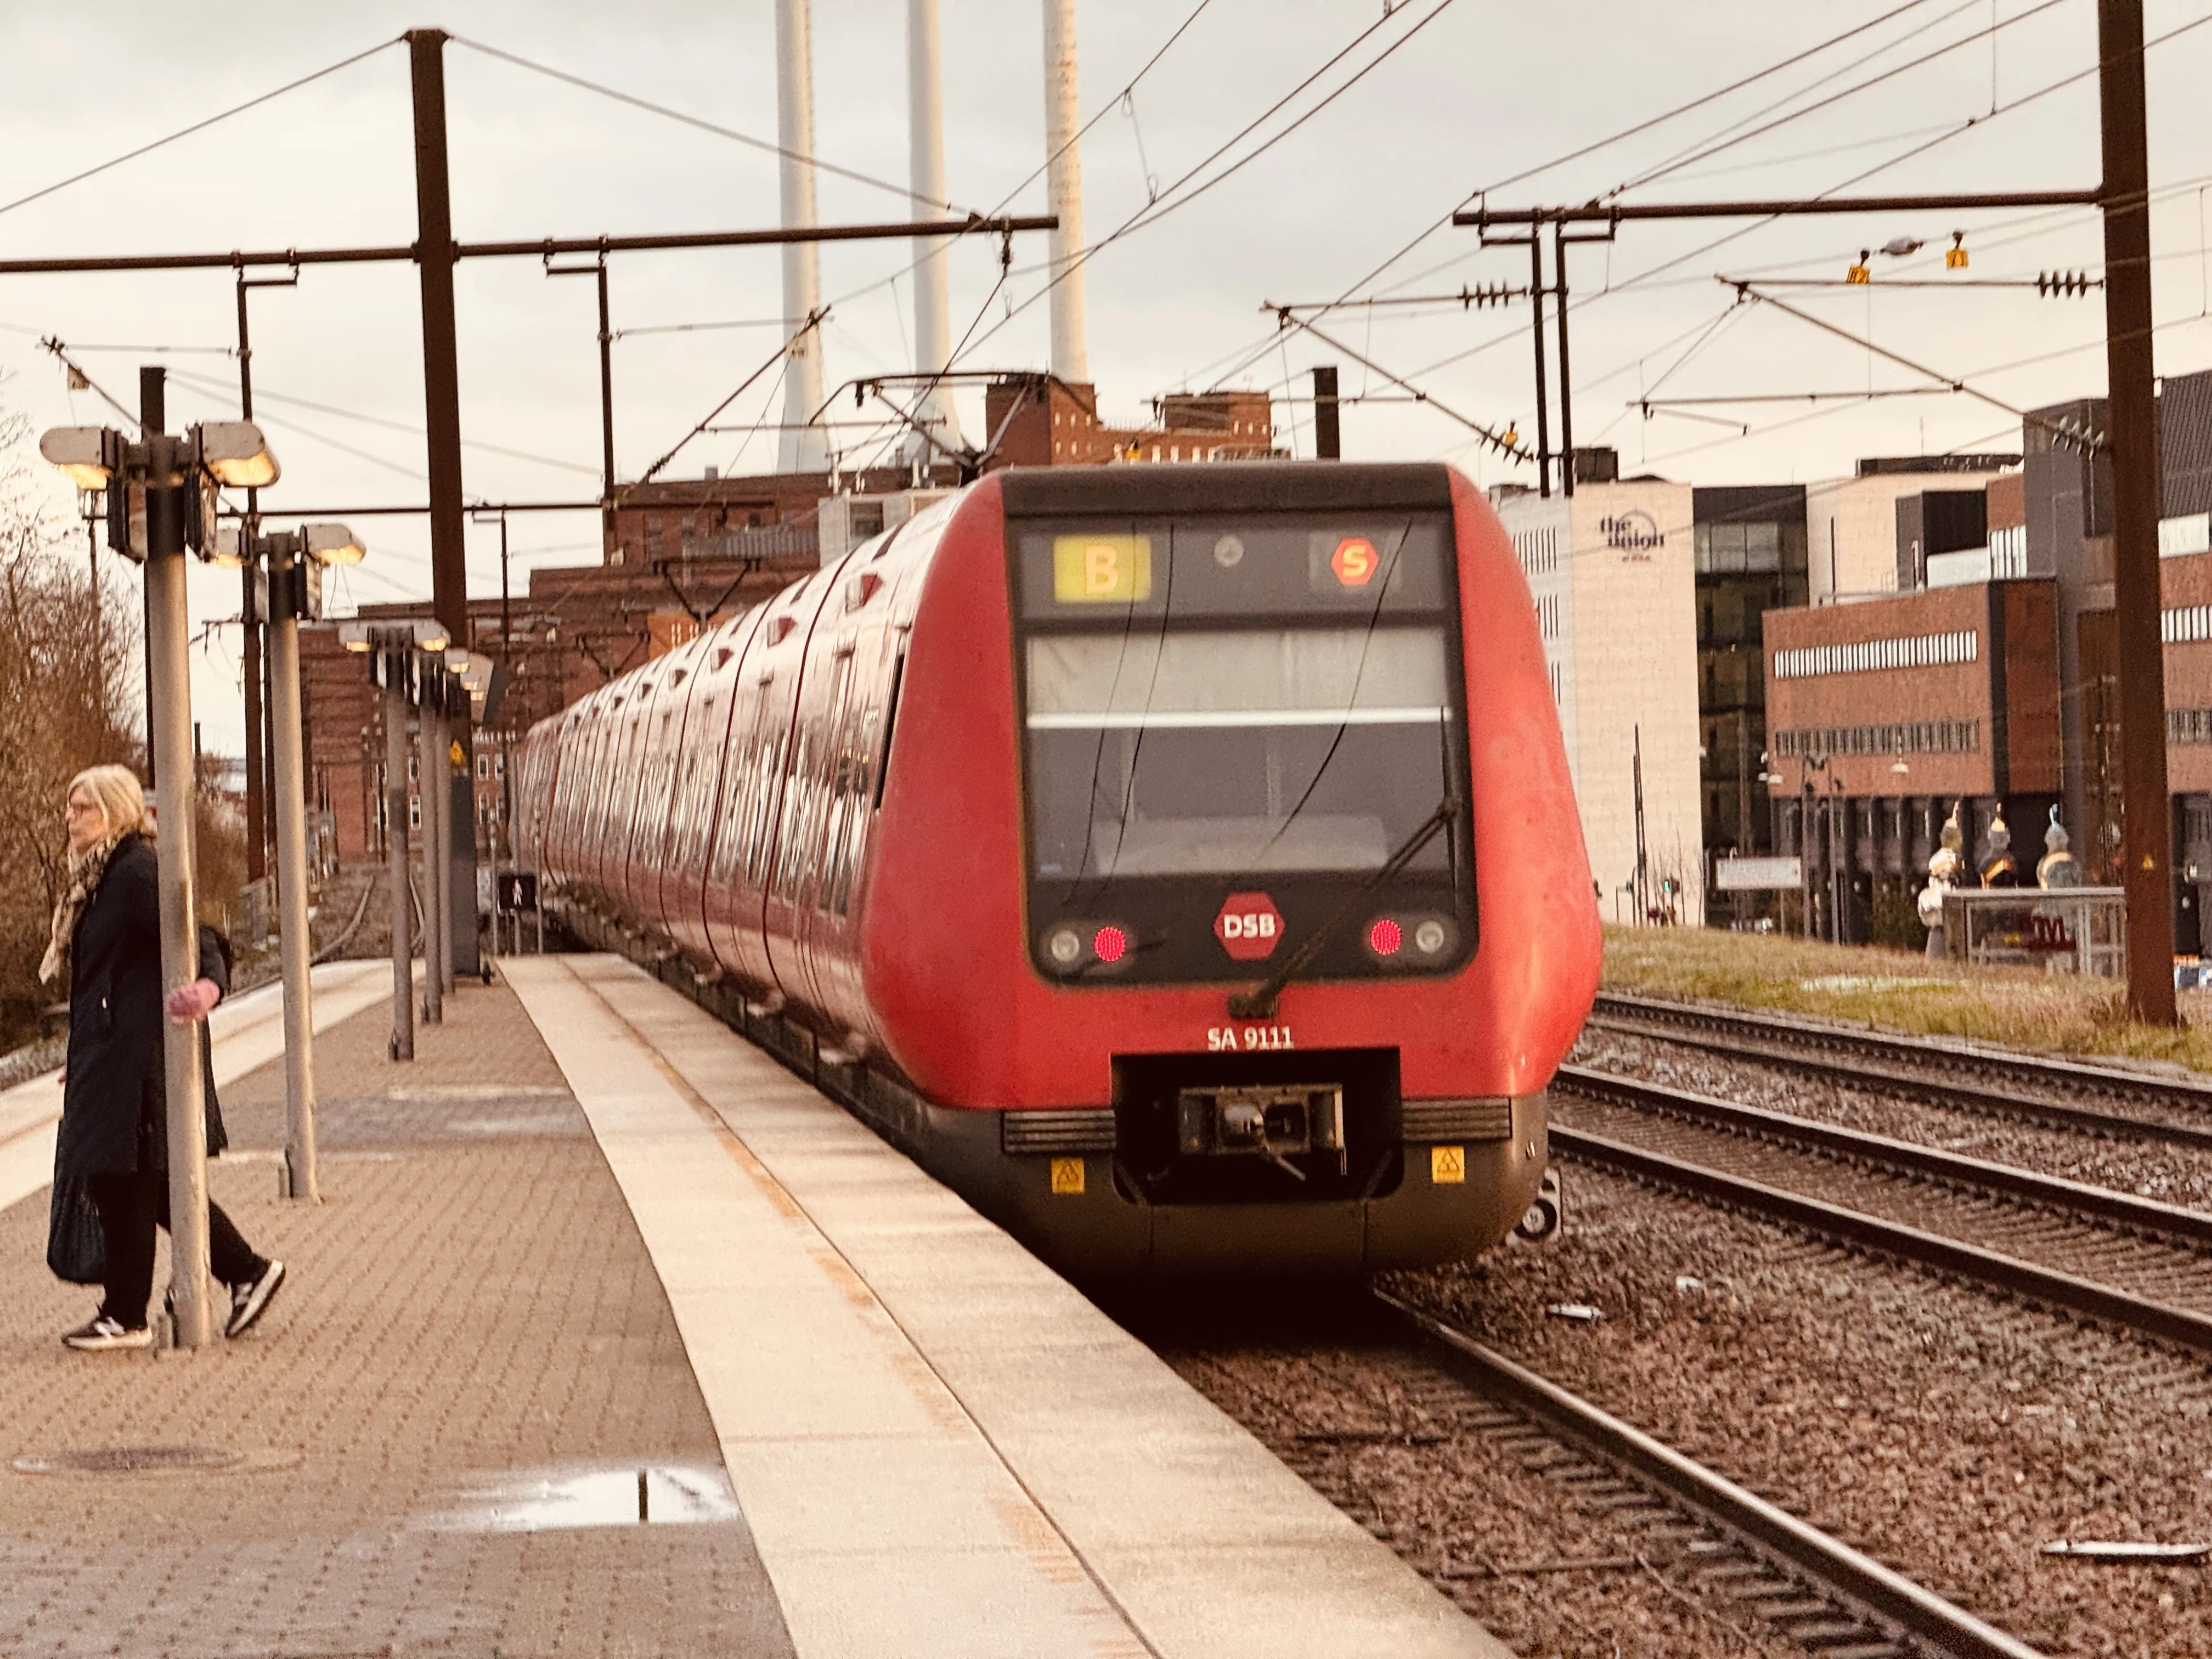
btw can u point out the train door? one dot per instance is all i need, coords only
(664, 719)
(707, 735)
(815, 809)
(769, 680)
(860, 714)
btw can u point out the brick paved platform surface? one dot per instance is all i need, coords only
(472, 1321)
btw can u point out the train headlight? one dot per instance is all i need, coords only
(1109, 944)
(1065, 946)
(1429, 937)
(1384, 937)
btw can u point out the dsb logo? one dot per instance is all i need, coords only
(1249, 927)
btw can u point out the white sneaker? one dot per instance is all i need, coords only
(104, 1333)
(249, 1301)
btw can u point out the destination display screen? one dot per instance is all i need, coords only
(1206, 565)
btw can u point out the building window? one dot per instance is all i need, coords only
(414, 811)
(2188, 624)
(1873, 656)
(1538, 551)
(2009, 552)
(1728, 549)
(1916, 737)
(484, 769)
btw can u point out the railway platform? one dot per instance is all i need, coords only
(613, 1337)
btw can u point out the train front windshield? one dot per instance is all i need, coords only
(1214, 705)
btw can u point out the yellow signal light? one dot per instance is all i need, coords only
(1954, 257)
(1858, 274)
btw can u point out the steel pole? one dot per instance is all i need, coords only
(606, 441)
(435, 249)
(300, 1179)
(1537, 322)
(257, 795)
(1566, 382)
(169, 715)
(427, 761)
(395, 854)
(458, 886)
(2132, 436)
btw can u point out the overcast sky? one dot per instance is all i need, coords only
(1434, 102)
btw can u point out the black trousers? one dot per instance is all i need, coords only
(131, 1207)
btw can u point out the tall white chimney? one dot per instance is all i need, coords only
(804, 449)
(1064, 192)
(932, 300)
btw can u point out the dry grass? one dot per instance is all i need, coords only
(1898, 991)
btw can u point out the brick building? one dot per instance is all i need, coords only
(575, 628)
(2030, 717)
(1040, 420)
(1883, 715)
(680, 553)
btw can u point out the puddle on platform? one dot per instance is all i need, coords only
(660, 1496)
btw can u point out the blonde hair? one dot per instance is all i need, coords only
(122, 802)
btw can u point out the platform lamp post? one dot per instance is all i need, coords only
(292, 585)
(160, 500)
(396, 651)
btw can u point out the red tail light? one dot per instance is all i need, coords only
(1109, 944)
(1384, 937)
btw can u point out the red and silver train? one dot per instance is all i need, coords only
(1182, 863)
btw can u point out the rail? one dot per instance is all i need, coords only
(1889, 1061)
(2083, 1297)
(2075, 1197)
(1888, 1596)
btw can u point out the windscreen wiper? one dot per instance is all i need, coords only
(1259, 1002)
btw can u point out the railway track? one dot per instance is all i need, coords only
(1751, 1554)
(2125, 1261)
(1994, 1082)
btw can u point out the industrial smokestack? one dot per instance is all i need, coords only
(932, 300)
(1071, 361)
(803, 448)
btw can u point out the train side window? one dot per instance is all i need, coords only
(847, 817)
(890, 726)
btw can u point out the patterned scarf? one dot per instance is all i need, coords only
(86, 869)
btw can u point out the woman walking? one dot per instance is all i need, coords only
(115, 1127)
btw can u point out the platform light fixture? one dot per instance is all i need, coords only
(332, 544)
(89, 454)
(234, 452)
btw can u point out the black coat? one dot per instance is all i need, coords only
(114, 1104)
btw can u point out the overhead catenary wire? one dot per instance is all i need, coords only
(1106, 109)
(1640, 278)
(262, 394)
(93, 171)
(1635, 129)
(1169, 201)
(903, 190)
(780, 355)
(1248, 356)
(1665, 169)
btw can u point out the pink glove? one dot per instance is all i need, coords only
(189, 1003)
